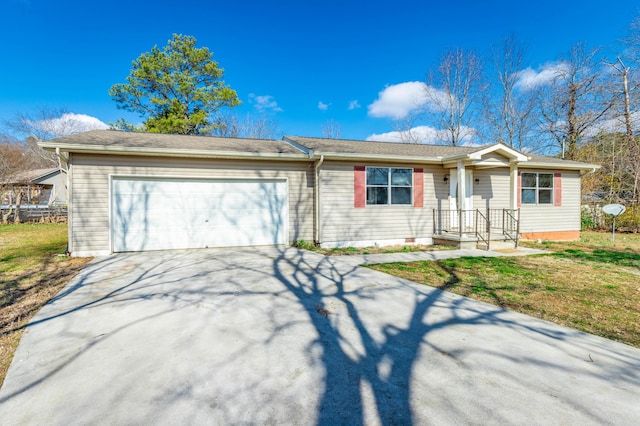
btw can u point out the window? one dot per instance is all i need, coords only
(537, 188)
(386, 185)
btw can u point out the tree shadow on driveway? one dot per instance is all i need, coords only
(289, 336)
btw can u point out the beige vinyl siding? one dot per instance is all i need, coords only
(550, 218)
(89, 224)
(492, 189)
(494, 156)
(341, 221)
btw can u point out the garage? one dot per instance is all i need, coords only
(149, 213)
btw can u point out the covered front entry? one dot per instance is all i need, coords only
(455, 204)
(469, 226)
(176, 213)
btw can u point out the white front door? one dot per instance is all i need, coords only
(159, 214)
(454, 205)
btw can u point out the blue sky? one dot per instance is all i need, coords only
(302, 62)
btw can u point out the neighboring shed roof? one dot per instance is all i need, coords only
(31, 176)
(136, 143)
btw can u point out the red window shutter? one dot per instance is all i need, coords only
(519, 189)
(418, 187)
(557, 189)
(359, 186)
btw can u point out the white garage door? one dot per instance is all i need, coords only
(159, 214)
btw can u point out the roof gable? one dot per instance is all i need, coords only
(500, 149)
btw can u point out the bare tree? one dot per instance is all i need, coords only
(632, 41)
(507, 109)
(47, 123)
(405, 128)
(331, 129)
(453, 94)
(576, 101)
(624, 98)
(253, 127)
(13, 159)
(629, 104)
(617, 147)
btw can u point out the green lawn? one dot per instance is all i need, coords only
(33, 269)
(592, 285)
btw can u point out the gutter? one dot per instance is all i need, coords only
(380, 157)
(316, 182)
(163, 152)
(558, 166)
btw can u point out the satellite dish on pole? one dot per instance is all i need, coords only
(614, 210)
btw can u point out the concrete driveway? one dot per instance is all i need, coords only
(267, 336)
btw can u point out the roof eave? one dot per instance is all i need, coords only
(558, 166)
(377, 157)
(46, 175)
(163, 152)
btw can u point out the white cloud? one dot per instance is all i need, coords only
(264, 103)
(322, 106)
(69, 123)
(423, 135)
(354, 104)
(616, 124)
(529, 79)
(398, 100)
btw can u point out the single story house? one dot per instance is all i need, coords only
(41, 187)
(138, 191)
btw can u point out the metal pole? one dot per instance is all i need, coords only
(613, 230)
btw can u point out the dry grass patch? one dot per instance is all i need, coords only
(31, 273)
(592, 240)
(588, 285)
(347, 251)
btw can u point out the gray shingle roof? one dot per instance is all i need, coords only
(113, 141)
(534, 158)
(343, 146)
(118, 139)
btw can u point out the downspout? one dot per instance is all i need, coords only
(60, 157)
(316, 182)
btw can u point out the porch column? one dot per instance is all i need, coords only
(462, 192)
(513, 185)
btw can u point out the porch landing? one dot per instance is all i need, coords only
(488, 229)
(497, 241)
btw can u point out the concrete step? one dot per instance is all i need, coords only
(496, 245)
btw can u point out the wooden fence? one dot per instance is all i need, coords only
(34, 214)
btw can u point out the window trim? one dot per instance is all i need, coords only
(389, 186)
(537, 189)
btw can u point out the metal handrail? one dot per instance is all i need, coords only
(483, 221)
(511, 224)
(506, 221)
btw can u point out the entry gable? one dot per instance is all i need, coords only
(497, 155)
